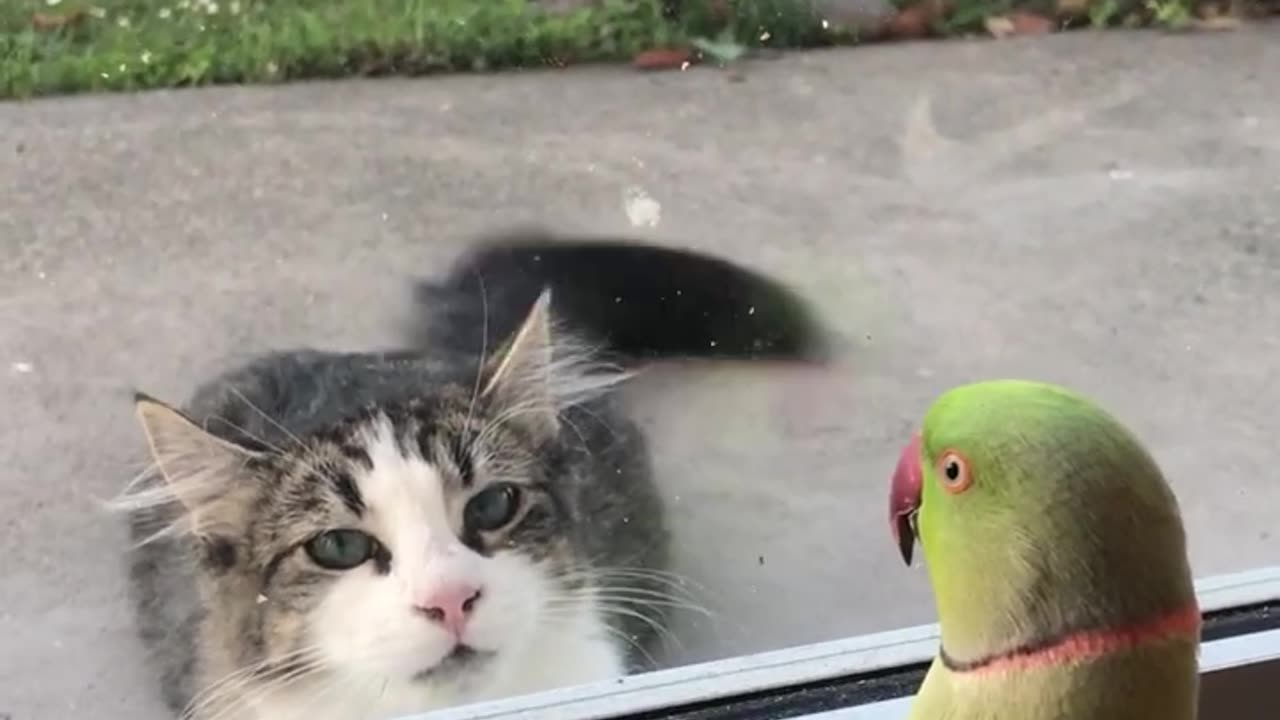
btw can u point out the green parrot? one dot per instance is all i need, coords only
(1057, 557)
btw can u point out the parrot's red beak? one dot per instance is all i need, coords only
(904, 498)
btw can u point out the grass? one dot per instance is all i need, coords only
(968, 16)
(65, 46)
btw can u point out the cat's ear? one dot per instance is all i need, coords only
(522, 376)
(204, 473)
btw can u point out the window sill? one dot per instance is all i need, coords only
(869, 677)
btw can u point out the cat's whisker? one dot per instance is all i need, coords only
(508, 414)
(564, 418)
(560, 614)
(305, 458)
(599, 583)
(265, 416)
(243, 695)
(345, 688)
(576, 379)
(578, 600)
(640, 595)
(295, 665)
(150, 491)
(148, 472)
(149, 502)
(309, 668)
(484, 352)
(606, 578)
(657, 626)
(645, 597)
(655, 602)
(586, 410)
(670, 579)
(201, 698)
(593, 565)
(382, 691)
(718, 621)
(307, 660)
(628, 610)
(665, 576)
(301, 654)
(680, 584)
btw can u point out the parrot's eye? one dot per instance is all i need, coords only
(954, 469)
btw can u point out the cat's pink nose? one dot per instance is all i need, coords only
(450, 606)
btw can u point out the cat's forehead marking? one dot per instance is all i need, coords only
(355, 452)
(344, 485)
(404, 493)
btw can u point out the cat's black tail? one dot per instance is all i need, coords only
(638, 302)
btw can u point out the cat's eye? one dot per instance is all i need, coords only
(340, 549)
(492, 508)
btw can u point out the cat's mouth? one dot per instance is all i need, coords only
(462, 659)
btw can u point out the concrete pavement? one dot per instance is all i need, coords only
(1098, 210)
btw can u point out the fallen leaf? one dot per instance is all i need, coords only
(1072, 8)
(858, 17)
(1018, 22)
(1029, 23)
(52, 22)
(910, 23)
(1221, 22)
(999, 26)
(1208, 10)
(663, 59)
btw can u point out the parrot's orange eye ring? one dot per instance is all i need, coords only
(953, 470)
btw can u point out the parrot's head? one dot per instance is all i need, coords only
(1020, 491)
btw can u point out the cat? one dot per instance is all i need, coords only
(362, 536)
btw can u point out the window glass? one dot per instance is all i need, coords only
(472, 507)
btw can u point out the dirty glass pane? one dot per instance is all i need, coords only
(1092, 209)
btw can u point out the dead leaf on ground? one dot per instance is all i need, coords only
(856, 17)
(1239, 9)
(999, 26)
(52, 22)
(1029, 23)
(910, 23)
(939, 9)
(663, 59)
(1072, 8)
(1219, 23)
(1018, 23)
(1209, 9)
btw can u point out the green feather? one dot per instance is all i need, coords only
(1068, 526)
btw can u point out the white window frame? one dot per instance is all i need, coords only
(1242, 630)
